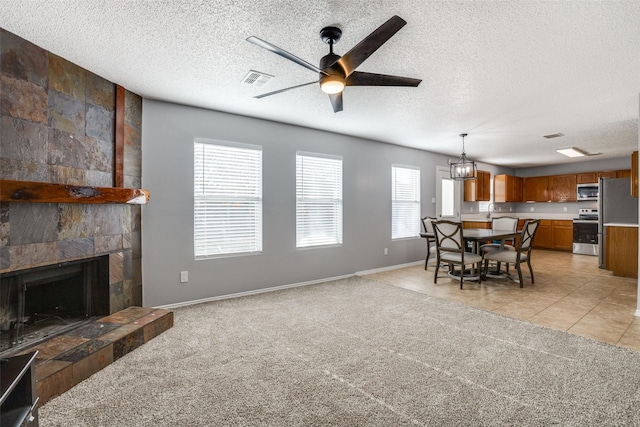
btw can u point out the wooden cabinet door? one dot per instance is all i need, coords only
(536, 189)
(514, 188)
(544, 235)
(625, 173)
(470, 190)
(563, 188)
(634, 174)
(606, 174)
(500, 188)
(586, 178)
(562, 235)
(622, 251)
(476, 224)
(478, 189)
(484, 186)
(507, 188)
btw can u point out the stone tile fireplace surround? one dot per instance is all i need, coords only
(57, 124)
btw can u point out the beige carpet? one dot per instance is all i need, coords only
(356, 352)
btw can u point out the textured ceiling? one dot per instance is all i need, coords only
(506, 73)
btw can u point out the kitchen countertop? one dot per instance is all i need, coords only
(620, 224)
(482, 217)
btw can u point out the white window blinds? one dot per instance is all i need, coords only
(405, 205)
(318, 200)
(227, 199)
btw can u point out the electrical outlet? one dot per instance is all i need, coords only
(471, 209)
(510, 209)
(564, 209)
(386, 251)
(184, 276)
(531, 209)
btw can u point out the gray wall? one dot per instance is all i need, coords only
(167, 237)
(577, 166)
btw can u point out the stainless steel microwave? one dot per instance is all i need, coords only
(588, 191)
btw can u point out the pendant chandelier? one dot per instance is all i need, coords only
(464, 168)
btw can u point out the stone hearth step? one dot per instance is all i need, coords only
(68, 359)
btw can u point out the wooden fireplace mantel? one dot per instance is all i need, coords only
(42, 192)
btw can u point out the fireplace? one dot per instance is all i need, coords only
(40, 303)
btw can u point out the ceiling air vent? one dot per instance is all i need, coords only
(256, 78)
(554, 135)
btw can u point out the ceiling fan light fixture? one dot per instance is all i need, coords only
(332, 84)
(464, 168)
(571, 152)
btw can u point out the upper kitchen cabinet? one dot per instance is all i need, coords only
(562, 188)
(507, 188)
(607, 174)
(634, 174)
(479, 189)
(586, 178)
(536, 189)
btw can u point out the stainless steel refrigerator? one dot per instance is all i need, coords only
(615, 204)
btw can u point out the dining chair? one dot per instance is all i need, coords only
(501, 223)
(521, 254)
(450, 249)
(427, 227)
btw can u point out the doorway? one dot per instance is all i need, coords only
(447, 195)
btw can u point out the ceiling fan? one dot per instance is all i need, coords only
(337, 71)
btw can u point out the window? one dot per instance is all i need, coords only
(227, 199)
(405, 204)
(318, 200)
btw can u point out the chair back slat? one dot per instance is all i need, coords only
(449, 236)
(528, 233)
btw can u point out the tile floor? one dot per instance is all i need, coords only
(570, 293)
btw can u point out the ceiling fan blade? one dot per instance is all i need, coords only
(358, 78)
(360, 52)
(284, 54)
(284, 90)
(336, 101)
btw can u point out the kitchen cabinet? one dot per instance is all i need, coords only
(634, 174)
(562, 235)
(586, 178)
(543, 238)
(536, 189)
(507, 188)
(476, 224)
(479, 189)
(626, 173)
(622, 251)
(554, 234)
(562, 188)
(606, 174)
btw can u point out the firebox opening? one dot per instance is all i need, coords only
(43, 302)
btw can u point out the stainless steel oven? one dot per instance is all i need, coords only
(585, 232)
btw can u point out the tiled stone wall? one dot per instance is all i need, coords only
(57, 124)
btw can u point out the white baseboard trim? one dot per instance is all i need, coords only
(637, 313)
(389, 268)
(257, 291)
